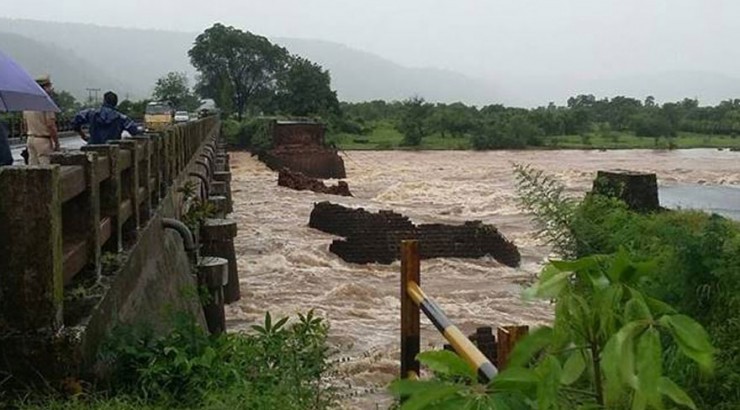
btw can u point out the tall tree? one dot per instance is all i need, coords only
(174, 88)
(65, 101)
(413, 123)
(231, 59)
(305, 88)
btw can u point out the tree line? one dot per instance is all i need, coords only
(497, 126)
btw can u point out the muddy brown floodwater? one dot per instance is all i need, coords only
(286, 267)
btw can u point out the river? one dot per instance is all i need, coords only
(286, 267)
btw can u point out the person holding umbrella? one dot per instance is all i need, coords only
(6, 156)
(41, 128)
(19, 92)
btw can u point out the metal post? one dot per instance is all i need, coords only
(410, 332)
(508, 336)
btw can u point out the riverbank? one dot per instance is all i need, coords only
(385, 137)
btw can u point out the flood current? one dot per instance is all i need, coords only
(285, 267)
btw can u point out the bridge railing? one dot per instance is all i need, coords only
(56, 221)
(413, 299)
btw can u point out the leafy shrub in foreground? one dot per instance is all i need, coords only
(603, 351)
(279, 366)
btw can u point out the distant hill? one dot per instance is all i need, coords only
(138, 57)
(708, 87)
(134, 58)
(131, 60)
(362, 76)
(69, 70)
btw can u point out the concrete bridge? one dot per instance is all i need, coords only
(96, 240)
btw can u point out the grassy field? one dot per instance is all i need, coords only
(385, 137)
(629, 140)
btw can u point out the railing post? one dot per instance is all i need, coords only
(410, 330)
(145, 177)
(82, 214)
(31, 267)
(110, 196)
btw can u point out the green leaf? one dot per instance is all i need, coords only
(547, 392)
(649, 357)
(691, 338)
(659, 308)
(447, 363)
(618, 362)
(431, 398)
(577, 265)
(268, 322)
(619, 264)
(279, 324)
(639, 401)
(670, 389)
(525, 350)
(548, 288)
(636, 308)
(573, 368)
(519, 379)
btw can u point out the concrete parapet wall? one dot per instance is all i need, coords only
(60, 295)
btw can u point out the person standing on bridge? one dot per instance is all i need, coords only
(6, 156)
(41, 129)
(104, 123)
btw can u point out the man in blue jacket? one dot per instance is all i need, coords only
(105, 123)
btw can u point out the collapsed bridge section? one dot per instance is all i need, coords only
(376, 237)
(300, 146)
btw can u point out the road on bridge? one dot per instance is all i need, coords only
(67, 141)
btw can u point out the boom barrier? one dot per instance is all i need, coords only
(414, 299)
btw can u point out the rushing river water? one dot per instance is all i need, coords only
(286, 267)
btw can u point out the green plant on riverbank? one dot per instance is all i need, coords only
(604, 350)
(279, 366)
(697, 263)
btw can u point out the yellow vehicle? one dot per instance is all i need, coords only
(158, 116)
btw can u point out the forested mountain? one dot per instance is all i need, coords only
(68, 69)
(130, 60)
(137, 58)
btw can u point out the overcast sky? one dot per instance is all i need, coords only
(484, 38)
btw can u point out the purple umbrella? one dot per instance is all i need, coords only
(18, 91)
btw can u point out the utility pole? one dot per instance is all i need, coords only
(90, 100)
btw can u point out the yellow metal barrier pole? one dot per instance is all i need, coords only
(457, 339)
(410, 333)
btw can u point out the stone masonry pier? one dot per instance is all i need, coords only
(300, 147)
(376, 237)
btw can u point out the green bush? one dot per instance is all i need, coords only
(280, 366)
(254, 134)
(697, 259)
(604, 349)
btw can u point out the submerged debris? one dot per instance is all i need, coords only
(300, 182)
